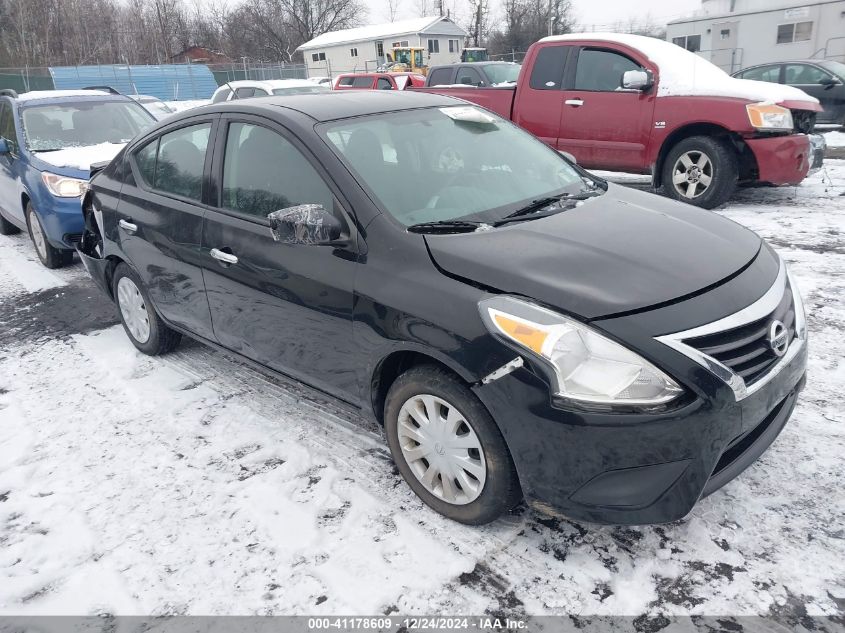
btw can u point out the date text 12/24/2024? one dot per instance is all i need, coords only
(428, 623)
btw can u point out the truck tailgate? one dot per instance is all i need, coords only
(499, 100)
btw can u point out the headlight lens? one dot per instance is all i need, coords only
(587, 365)
(62, 186)
(767, 116)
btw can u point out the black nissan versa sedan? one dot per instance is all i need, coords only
(520, 328)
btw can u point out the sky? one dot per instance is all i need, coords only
(601, 14)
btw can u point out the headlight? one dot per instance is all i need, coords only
(766, 116)
(62, 186)
(587, 365)
(798, 304)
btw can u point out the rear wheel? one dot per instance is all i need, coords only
(448, 448)
(702, 171)
(140, 321)
(49, 255)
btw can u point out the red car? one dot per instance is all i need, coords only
(638, 104)
(378, 81)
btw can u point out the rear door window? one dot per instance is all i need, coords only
(600, 70)
(174, 163)
(384, 84)
(440, 77)
(469, 77)
(362, 82)
(763, 73)
(547, 73)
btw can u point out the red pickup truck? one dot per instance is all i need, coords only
(642, 105)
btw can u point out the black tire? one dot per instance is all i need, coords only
(51, 256)
(7, 228)
(161, 338)
(501, 490)
(723, 171)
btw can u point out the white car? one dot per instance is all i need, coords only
(320, 81)
(247, 89)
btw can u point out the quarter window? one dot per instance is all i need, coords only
(601, 70)
(548, 68)
(244, 93)
(264, 172)
(174, 163)
(796, 32)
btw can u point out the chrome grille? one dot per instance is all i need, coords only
(746, 350)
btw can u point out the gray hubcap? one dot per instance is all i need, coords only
(692, 174)
(442, 450)
(37, 235)
(133, 309)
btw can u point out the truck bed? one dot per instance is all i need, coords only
(499, 100)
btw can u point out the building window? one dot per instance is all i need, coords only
(690, 42)
(353, 52)
(725, 34)
(402, 44)
(433, 46)
(454, 46)
(796, 32)
(379, 49)
(318, 57)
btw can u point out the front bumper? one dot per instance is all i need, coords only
(615, 468)
(782, 160)
(817, 148)
(62, 220)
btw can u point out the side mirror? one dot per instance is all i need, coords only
(828, 82)
(305, 224)
(4, 147)
(641, 80)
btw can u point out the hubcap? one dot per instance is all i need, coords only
(692, 174)
(133, 309)
(37, 235)
(442, 450)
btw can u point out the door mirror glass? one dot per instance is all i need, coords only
(637, 80)
(828, 81)
(4, 147)
(304, 224)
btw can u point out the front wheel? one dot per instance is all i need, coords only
(49, 255)
(140, 321)
(448, 448)
(702, 171)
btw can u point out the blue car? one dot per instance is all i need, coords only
(48, 142)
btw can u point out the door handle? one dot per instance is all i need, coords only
(226, 258)
(577, 103)
(128, 226)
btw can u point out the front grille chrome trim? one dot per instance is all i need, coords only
(761, 308)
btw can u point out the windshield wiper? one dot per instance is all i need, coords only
(448, 226)
(542, 203)
(51, 149)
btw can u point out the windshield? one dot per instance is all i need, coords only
(301, 90)
(158, 109)
(440, 164)
(57, 126)
(502, 73)
(837, 68)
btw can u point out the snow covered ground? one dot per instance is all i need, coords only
(192, 484)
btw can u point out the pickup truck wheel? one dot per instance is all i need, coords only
(140, 321)
(448, 448)
(702, 171)
(49, 255)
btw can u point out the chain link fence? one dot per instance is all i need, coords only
(257, 71)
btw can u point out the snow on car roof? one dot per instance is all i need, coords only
(270, 83)
(683, 73)
(32, 95)
(81, 157)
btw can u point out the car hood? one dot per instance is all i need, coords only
(624, 251)
(77, 161)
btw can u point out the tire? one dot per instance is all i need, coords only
(49, 255)
(484, 495)
(140, 320)
(695, 159)
(7, 228)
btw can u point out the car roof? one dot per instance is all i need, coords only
(333, 105)
(67, 96)
(269, 83)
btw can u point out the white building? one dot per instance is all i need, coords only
(364, 48)
(735, 34)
